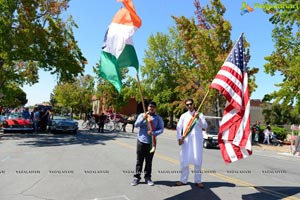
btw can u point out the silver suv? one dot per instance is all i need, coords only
(210, 134)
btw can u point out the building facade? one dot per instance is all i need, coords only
(99, 106)
(256, 111)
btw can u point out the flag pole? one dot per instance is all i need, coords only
(242, 35)
(153, 140)
(204, 98)
(190, 124)
(140, 91)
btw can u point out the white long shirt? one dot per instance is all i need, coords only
(267, 133)
(192, 148)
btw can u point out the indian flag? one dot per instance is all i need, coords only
(191, 124)
(118, 50)
(150, 127)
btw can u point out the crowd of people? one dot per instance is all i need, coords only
(266, 136)
(103, 118)
(39, 116)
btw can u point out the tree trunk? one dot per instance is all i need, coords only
(2, 80)
(171, 118)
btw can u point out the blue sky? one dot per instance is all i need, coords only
(94, 16)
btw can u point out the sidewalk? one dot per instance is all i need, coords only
(280, 149)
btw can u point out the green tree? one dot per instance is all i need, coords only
(14, 96)
(208, 43)
(279, 114)
(285, 58)
(114, 99)
(76, 96)
(85, 91)
(33, 36)
(163, 61)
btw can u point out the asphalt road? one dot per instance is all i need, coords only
(94, 166)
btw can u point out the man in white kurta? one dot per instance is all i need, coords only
(191, 145)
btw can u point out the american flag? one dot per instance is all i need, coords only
(232, 81)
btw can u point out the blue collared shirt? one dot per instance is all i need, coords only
(158, 124)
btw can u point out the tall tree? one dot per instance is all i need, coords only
(114, 99)
(278, 114)
(163, 60)
(285, 58)
(77, 95)
(208, 43)
(14, 96)
(33, 36)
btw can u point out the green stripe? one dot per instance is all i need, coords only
(128, 58)
(192, 126)
(152, 147)
(109, 70)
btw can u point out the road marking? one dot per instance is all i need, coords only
(113, 197)
(289, 154)
(282, 156)
(7, 157)
(220, 176)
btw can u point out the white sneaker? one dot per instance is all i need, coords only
(135, 182)
(149, 182)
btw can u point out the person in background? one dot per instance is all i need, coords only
(101, 123)
(257, 131)
(36, 119)
(191, 144)
(267, 134)
(89, 115)
(26, 114)
(44, 117)
(133, 119)
(149, 124)
(297, 146)
(32, 114)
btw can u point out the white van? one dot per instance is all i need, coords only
(210, 134)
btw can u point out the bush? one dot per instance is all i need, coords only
(76, 117)
(280, 133)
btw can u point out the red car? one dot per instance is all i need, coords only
(16, 123)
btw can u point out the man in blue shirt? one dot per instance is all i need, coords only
(25, 113)
(150, 124)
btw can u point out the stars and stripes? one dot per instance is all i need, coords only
(232, 81)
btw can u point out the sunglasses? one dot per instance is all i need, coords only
(189, 104)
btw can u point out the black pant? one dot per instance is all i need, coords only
(101, 127)
(143, 153)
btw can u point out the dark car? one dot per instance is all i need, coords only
(16, 123)
(63, 124)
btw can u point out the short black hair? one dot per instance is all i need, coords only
(189, 99)
(152, 103)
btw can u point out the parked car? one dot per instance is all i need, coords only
(16, 123)
(63, 124)
(210, 134)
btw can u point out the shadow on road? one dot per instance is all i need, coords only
(83, 137)
(196, 193)
(266, 192)
(272, 193)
